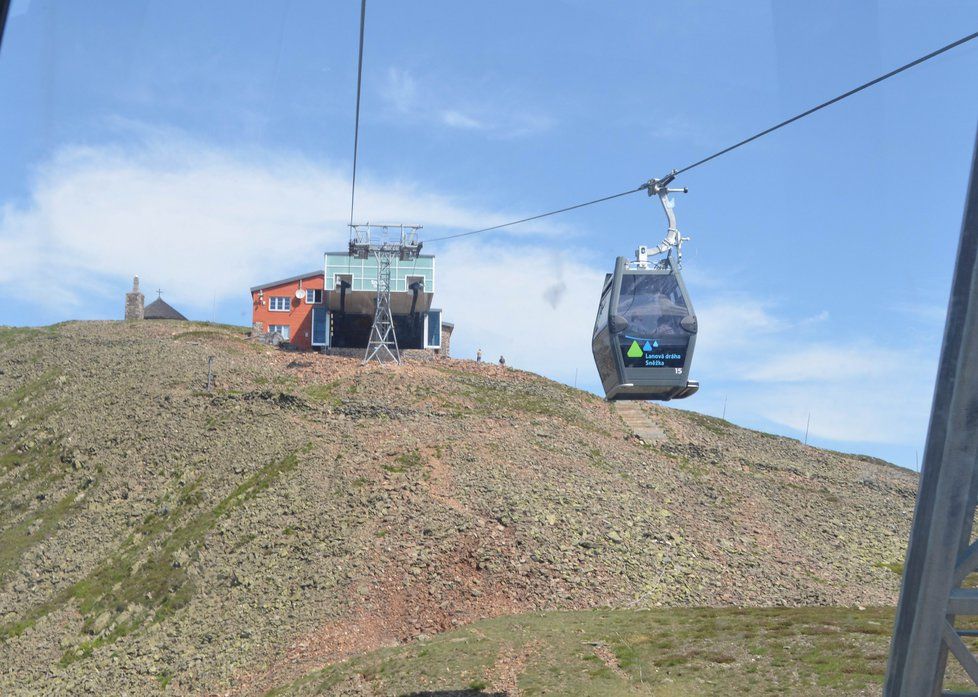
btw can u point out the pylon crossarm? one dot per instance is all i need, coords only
(962, 601)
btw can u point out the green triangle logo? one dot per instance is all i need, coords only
(635, 351)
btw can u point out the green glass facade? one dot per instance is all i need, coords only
(364, 272)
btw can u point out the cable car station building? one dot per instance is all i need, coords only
(332, 310)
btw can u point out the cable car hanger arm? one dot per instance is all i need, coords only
(673, 238)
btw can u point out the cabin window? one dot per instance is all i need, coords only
(654, 307)
(280, 303)
(602, 319)
(652, 304)
(314, 296)
(282, 329)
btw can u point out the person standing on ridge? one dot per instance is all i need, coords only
(478, 356)
(502, 360)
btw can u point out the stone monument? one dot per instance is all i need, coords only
(134, 301)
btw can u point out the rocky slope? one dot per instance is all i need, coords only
(154, 535)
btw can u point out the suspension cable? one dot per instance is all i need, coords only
(356, 127)
(745, 141)
(832, 101)
(535, 217)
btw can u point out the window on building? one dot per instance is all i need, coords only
(320, 326)
(282, 329)
(314, 296)
(280, 303)
(433, 338)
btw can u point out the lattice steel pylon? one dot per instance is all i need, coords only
(383, 338)
(375, 240)
(941, 553)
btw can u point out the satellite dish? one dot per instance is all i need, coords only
(300, 294)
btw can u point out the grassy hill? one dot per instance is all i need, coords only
(156, 536)
(675, 652)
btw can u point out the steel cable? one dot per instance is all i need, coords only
(745, 141)
(356, 127)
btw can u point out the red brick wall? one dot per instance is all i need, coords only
(299, 318)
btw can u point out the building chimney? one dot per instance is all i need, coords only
(134, 301)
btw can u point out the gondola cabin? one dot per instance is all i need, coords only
(644, 334)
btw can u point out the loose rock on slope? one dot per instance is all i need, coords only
(154, 534)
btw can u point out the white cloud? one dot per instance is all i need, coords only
(736, 319)
(827, 363)
(528, 303)
(456, 119)
(196, 221)
(674, 127)
(538, 309)
(400, 90)
(199, 222)
(428, 104)
(929, 313)
(891, 409)
(781, 370)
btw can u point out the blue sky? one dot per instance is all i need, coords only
(207, 147)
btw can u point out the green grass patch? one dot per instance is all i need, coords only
(411, 459)
(206, 330)
(404, 462)
(201, 334)
(12, 336)
(18, 538)
(37, 469)
(895, 566)
(285, 381)
(236, 329)
(710, 423)
(326, 394)
(597, 459)
(25, 396)
(147, 579)
(669, 651)
(494, 397)
(684, 464)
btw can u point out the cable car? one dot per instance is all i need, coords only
(645, 331)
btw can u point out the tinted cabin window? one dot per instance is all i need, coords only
(604, 358)
(653, 306)
(602, 319)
